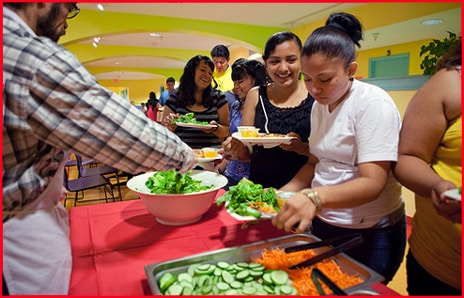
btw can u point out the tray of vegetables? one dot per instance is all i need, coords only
(260, 268)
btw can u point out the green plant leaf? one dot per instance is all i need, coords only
(434, 51)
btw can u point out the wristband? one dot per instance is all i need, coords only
(313, 196)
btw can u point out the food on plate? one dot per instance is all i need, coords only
(210, 152)
(224, 278)
(250, 199)
(172, 182)
(271, 135)
(278, 259)
(188, 118)
(248, 131)
(199, 153)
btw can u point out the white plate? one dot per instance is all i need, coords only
(264, 140)
(453, 194)
(282, 195)
(204, 159)
(193, 125)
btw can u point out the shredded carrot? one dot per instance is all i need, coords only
(262, 206)
(301, 278)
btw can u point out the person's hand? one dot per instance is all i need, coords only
(296, 214)
(446, 207)
(296, 145)
(190, 161)
(168, 119)
(211, 130)
(232, 148)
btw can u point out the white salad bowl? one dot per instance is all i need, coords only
(178, 209)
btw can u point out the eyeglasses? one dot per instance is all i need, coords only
(73, 11)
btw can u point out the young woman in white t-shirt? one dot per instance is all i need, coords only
(347, 185)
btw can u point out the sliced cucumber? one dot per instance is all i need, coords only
(248, 290)
(166, 281)
(223, 278)
(241, 275)
(223, 265)
(222, 286)
(184, 276)
(279, 277)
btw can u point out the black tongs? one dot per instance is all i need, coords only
(317, 275)
(347, 242)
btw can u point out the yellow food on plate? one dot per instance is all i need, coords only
(210, 152)
(248, 131)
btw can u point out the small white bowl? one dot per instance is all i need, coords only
(210, 152)
(248, 131)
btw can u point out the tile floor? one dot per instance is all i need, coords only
(94, 197)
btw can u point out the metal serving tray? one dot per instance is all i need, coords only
(253, 250)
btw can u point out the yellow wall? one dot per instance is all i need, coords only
(382, 14)
(412, 48)
(138, 90)
(253, 37)
(402, 99)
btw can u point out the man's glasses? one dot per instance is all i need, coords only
(73, 11)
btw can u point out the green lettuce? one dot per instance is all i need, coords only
(188, 118)
(240, 197)
(172, 182)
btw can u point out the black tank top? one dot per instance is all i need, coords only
(274, 167)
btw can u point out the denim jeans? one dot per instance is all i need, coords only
(382, 249)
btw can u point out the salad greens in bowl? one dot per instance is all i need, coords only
(177, 199)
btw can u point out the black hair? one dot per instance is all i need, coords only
(342, 31)
(238, 69)
(252, 68)
(220, 51)
(187, 83)
(170, 80)
(452, 58)
(152, 100)
(277, 39)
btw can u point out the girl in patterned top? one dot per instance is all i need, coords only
(196, 95)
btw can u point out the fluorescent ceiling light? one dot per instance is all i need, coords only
(432, 22)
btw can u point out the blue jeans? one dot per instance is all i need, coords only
(382, 249)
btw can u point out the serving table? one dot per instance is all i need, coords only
(111, 244)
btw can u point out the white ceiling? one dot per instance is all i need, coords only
(282, 15)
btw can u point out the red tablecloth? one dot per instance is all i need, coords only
(112, 243)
